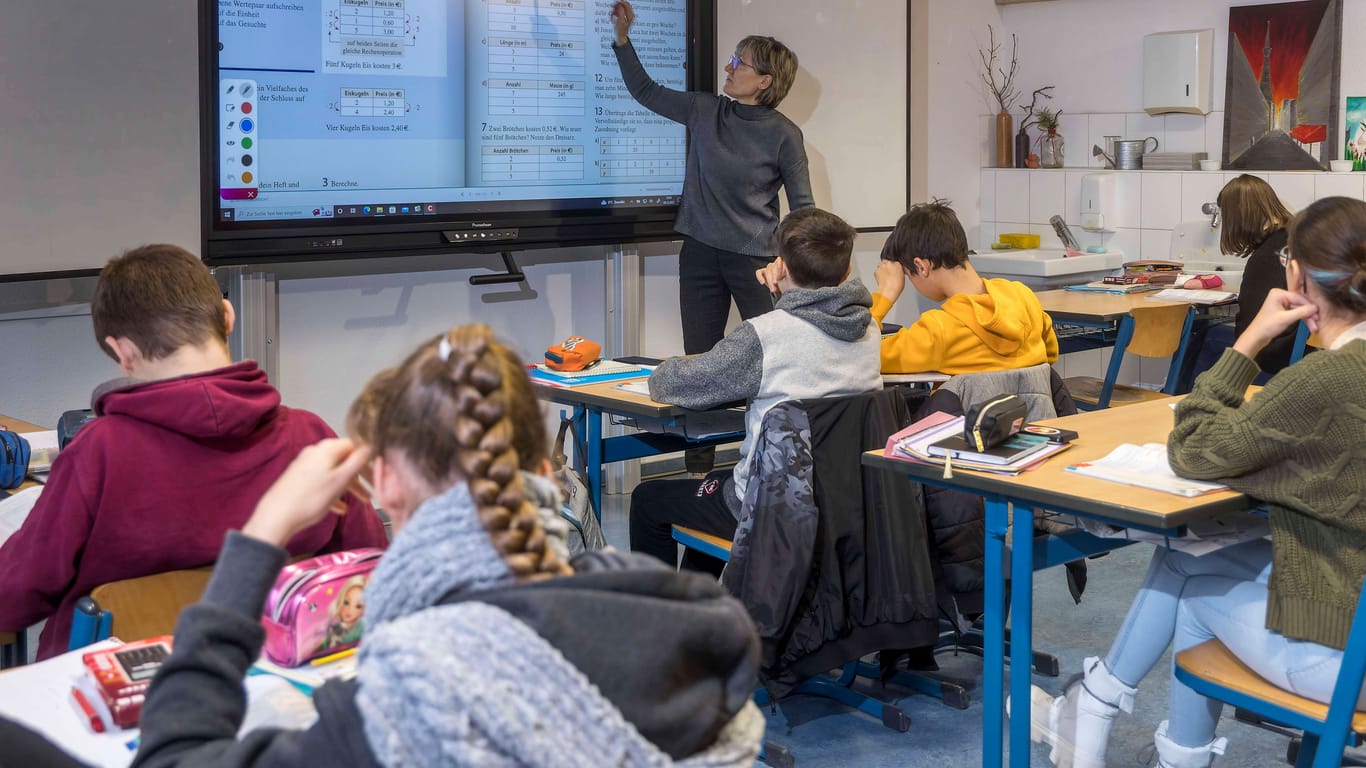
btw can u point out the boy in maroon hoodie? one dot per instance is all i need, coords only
(184, 447)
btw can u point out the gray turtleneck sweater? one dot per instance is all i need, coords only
(738, 157)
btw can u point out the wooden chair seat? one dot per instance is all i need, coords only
(1212, 661)
(148, 606)
(1087, 389)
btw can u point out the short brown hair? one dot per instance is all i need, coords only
(1328, 239)
(1251, 211)
(929, 231)
(815, 246)
(159, 296)
(774, 59)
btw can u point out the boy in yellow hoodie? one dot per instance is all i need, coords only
(982, 325)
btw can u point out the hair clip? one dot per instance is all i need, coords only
(443, 349)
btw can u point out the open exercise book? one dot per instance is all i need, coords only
(1146, 467)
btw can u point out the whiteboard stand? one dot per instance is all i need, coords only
(624, 290)
(255, 296)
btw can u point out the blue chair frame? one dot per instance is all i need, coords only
(1301, 341)
(89, 624)
(1324, 738)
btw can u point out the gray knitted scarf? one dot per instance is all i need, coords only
(468, 684)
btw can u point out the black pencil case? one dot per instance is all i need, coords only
(991, 423)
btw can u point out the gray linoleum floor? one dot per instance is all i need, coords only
(821, 733)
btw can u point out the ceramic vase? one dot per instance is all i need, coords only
(1005, 140)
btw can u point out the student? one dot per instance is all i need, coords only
(819, 341)
(1254, 222)
(1283, 606)
(482, 646)
(182, 449)
(983, 325)
(741, 151)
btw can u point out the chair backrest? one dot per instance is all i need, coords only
(1037, 385)
(149, 605)
(1158, 329)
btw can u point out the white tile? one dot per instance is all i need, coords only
(1089, 362)
(1076, 133)
(1128, 198)
(1072, 192)
(1156, 243)
(1185, 133)
(1046, 198)
(986, 235)
(1141, 125)
(1103, 125)
(1231, 175)
(1161, 206)
(1128, 242)
(988, 199)
(1012, 195)
(1334, 184)
(1047, 237)
(1152, 371)
(1296, 190)
(1214, 135)
(1196, 190)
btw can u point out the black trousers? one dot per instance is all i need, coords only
(708, 278)
(657, 505)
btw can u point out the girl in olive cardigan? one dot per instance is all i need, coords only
(1282, 606)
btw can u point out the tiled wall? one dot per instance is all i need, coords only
(1148, 205)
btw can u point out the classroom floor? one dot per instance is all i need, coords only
(821, 733)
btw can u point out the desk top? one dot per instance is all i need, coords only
(1084, 307)
(607, 396)
(17, 425)
(1051, 486)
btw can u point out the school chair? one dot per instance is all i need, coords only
(133, 609)
(1303, 341)
(1158, 331)
(1211, 670)
(853, 539)
(13, 649)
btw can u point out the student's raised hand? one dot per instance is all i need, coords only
(310, 488)
(623, 16)
(891, 280)
(769, 276)
(1281, 310)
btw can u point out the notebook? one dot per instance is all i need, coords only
(600, 368)
(1019, 446)
(1144, 466)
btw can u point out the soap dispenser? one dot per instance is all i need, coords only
(1098, 202)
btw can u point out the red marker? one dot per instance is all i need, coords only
(87, 711)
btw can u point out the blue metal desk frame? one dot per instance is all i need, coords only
(1008, 502)
(594, 401)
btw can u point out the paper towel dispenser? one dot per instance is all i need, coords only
(1177, 72)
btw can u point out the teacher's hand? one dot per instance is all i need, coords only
(623, 16)
(1279, 311)
(769, 276)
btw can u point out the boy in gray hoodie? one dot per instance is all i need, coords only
(820, 340)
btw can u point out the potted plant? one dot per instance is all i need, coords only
(1050, 141)
(1031, 116)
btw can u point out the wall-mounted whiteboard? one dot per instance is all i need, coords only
(99, 142)
(849, 98)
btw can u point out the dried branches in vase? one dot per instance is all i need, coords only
(1001, 83)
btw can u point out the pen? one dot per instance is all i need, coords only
(338, 656)
(87, 711)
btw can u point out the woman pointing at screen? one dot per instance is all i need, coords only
(741, 151)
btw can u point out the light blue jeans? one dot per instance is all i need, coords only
(1186, 600)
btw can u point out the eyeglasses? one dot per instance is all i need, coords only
(1284, 255)
(736, 62)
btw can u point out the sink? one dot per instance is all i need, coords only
(1047, 267)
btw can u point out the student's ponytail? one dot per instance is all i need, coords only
(486, 456)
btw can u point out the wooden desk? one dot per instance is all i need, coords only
(1106, 312)
(1051, 487)
(592, 402)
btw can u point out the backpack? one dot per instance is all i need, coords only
(585, 532)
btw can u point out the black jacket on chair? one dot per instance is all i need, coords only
(831, 558)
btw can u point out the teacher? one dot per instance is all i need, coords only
(741, 150)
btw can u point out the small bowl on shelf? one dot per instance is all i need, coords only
(1209, 165)
(1340, 166)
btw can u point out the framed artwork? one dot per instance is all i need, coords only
(1354, 133)
(1281, 97)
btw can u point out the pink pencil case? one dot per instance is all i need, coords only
(317, 606)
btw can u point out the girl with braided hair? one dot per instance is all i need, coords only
(483, 646)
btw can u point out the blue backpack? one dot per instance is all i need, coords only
(14, 460)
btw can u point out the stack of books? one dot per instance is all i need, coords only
(1116, 287)
(1173, 161)
(940, 435)
(603, 370)
(1158, 273)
